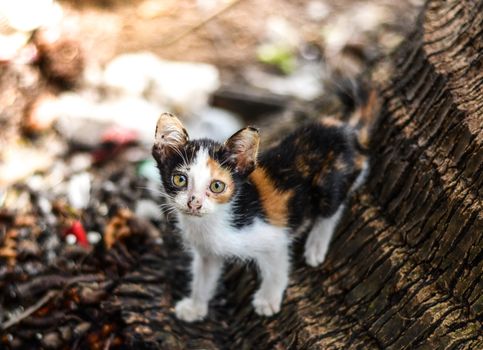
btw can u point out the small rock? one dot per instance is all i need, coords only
(70, 239)
(94, 237)
(82, 328)
(51, 340)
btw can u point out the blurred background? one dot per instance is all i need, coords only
(82, 83)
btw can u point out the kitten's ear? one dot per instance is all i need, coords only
(170, 136)
(242, 148)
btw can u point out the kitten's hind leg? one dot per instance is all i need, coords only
(317, 243)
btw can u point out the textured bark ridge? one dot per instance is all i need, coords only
(404, 270)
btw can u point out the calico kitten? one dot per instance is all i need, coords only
(231, 201)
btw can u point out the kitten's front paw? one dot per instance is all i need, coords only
(188, 310)
(266, 306)
(315, 253)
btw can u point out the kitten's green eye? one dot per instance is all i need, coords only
(180, 180)
(217, 186)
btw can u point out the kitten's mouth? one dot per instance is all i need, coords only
(190, 213)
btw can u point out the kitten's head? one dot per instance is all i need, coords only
(201, 175)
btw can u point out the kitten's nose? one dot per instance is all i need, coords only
(194, 203)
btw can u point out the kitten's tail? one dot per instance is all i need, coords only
(361, 106)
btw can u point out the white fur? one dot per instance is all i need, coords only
(211, 237)
(320, 235)
(361, 178)
(199, 173)
(317, 243)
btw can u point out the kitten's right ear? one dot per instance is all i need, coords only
(170, 135)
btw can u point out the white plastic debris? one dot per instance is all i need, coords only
(214, 123)
(27, 15)
(13, 166)
(84, 120)
(130, 74)
(20, 17)
(182, 87)
(78, 190)
(44, 205)
(35, 182)
(305, 83)
(80, 162)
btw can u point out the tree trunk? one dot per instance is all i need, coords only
(404, 269)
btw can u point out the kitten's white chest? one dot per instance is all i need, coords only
(215, 235)
(208, 233)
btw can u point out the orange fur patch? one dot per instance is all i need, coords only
(302, 166)
(340, 164)
(274, 201)
(359, 161)
(324, 169)
(218, 173)
(330, 122)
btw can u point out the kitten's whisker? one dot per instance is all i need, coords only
(158, 192)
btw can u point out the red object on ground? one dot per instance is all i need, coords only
(120, 135)
(78, 231)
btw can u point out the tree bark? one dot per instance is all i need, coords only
(404, 269)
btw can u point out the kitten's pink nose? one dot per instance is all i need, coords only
(194, 203)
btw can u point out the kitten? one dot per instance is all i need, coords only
(230, 201)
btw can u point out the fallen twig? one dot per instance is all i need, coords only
(54, 281)
(108, 343)
(16, 319)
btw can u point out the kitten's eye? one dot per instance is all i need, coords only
(217, 186)
(180, 180)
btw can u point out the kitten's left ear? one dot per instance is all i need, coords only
(243, 149)
(170, 136)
